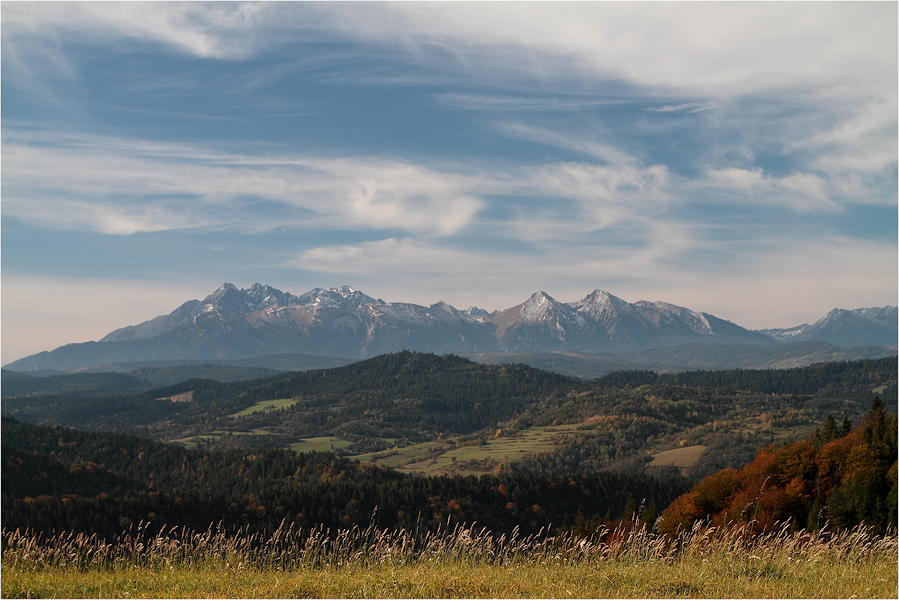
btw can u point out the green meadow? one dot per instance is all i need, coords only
(266, 405)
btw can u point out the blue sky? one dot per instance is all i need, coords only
(737, 158)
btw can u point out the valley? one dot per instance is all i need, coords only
(440, 451)
(426, 414)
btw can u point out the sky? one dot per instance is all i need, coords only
(738, 159)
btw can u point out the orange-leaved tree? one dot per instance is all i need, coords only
(847, 480)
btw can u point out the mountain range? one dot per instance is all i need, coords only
(343, 322)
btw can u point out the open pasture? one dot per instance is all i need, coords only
(319, 444)
(455, 456)
(266, 405)
(683, 458)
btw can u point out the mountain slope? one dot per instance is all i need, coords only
(602, 322)
(859, 327)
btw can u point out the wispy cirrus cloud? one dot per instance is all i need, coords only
(687, 107)
(804, 192)
(203, 30)
(714, 50)
(519, 102)
(119, 186)
(114, 186)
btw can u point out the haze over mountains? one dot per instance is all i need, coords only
(234, 324)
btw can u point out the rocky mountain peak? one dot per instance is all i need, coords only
(344, 290)
(355, 298)
(474, 312)
(227, 297)
(600, 305)
(539, 306)
(258, 297)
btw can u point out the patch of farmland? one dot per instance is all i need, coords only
(319, 444)
(265, 405)
(682, 458)
(193, 440)
(452, 457)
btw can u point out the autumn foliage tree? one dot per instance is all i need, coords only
(844, 477)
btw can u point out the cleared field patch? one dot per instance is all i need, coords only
(265, 405)
(451, 457)
(397, 457)
(764, 429)
(193, 440)
(319, 444)
(683, 458)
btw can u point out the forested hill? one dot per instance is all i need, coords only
(21, 384)
(401, 395)
(833, 377)
(63, 479)
(423, 412)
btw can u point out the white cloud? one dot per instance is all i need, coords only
(208, 30)
(721, 48)
(117, 186)
(687, 107)
(800, 191)
(120, 187)
(745, 180)
(580, 143)
(863, 141)
(707, 48)
(519, 102)
(837, 61)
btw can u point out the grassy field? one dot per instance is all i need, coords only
(702, 563)
(683, 458)
(452, 456)
(319, 444)
(265, 405)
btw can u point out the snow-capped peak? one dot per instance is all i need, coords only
(599, 304)
(345, 291)
(537, 307)
(474, 312)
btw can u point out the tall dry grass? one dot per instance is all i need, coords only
(705, 561)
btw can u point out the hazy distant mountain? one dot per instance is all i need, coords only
(859, 327)
(232, 324)
(602, 322)
(235, 324)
